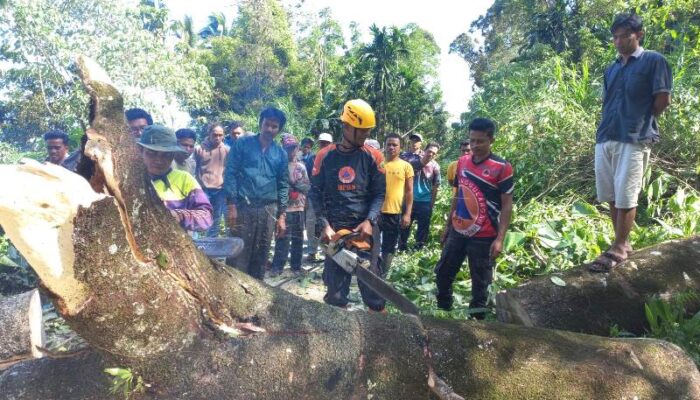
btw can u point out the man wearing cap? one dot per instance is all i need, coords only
(347, 192)
(256, 181)
(298, 189)
(324, 139)
(416, 140)
(178, 190)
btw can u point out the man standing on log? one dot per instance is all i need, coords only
(637, 89)
(256, 181)
(347, 192)
(479, 218)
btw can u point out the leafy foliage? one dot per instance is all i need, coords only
(39, 41)
(125, 382)
(668, 320)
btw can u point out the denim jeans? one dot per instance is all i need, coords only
(421, 212)
(217, 198)
(295, 235)
(457, 248)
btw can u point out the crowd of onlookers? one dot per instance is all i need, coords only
(259, 185)
(265, 184)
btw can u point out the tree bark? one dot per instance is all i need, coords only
(593, 302)
(133, 285)
(22, 327)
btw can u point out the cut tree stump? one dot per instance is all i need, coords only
(594, 302)
(21, 328)
(130, 282)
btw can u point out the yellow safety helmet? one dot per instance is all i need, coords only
(359, 114)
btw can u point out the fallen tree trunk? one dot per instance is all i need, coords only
(132, 284)
(593, 302)
(21, 328)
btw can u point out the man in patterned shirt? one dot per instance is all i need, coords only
(298, 188)
(478, 219)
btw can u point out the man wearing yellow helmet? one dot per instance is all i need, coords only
(347, 192)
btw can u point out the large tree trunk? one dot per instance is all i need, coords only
(21, 328)
(593, 302)
(131, 283)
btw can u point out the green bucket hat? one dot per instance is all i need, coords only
(160, 138)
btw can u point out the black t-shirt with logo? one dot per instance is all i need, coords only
(348, 187)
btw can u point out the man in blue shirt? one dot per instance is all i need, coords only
(637, 89)
(256, 181)
(426, 182)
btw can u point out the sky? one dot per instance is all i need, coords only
(445, 19)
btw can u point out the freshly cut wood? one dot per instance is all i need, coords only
(594, 302)
(21, 327)
(130, 282)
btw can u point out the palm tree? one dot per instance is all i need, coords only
(184, 30)
(384, 54)
(216, 27)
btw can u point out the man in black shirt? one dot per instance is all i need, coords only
(347, 192)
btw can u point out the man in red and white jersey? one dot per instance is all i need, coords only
(479, 218)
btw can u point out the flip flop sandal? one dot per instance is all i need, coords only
(605, 262)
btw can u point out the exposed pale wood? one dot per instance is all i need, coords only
(21, 327)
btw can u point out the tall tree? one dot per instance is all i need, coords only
(39, 38)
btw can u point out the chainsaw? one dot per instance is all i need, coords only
(347, 250)
(220, 247)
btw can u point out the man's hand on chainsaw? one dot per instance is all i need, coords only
(365, 229)
(327, 234)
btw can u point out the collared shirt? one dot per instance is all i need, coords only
(628, 97)
(211, 162)
(181, 194)
(256, 177)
